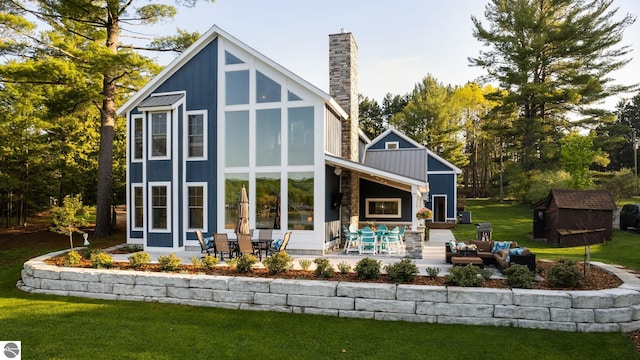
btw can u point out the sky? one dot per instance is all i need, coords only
(399, 42)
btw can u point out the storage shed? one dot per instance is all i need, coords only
(574, 217)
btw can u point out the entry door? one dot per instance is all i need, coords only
(439, 208)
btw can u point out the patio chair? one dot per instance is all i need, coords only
(382, 227)
(280, 244)
(265, 236)
(352, 242)
(401, 236)
(391, 242)
(205, 247)
(245, 245)
(221, 242)
(367, 241)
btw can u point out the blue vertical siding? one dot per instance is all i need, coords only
(370, 189)
(402, 142)
(443, 184)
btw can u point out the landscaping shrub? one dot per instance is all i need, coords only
(72, 258)
(233, 262)
(87, 252)
(519, 276)
(564, 273)
(139, 259)
(486, 273)
(245, 262)
(197, 262)
(278, 262)
(210, 261)
(343, 267)
(305, 264)
(432, 272)
(324, 269)
(101, 260)
(464, 276)
(169, 262)
(403, 271)
(368, 268)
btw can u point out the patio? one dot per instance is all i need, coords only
(433, 255)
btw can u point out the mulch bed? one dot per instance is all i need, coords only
(597, 279)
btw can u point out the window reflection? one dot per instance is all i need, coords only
(301, 136)
(232, 188)
(237, 87)
(237, 138)
(268, 208)
(300, 207)
(267, 90)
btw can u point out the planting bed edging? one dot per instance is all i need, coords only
(609, 310)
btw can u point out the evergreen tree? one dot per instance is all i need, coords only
(552, 57)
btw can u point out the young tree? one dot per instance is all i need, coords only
(82, 53)
(69, 218)
(577, 154)
(553, 57)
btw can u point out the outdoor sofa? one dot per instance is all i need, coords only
(499, 253)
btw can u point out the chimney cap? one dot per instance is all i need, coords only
(343, 30)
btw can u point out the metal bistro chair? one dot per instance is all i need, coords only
(352, 241)
(205, 248)
(221, 242)
(367, 241)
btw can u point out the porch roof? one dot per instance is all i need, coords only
(374, 172)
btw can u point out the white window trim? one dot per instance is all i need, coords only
(134, 118)
(205, 222)
(133, 207)
(392, 145)
(205, 135)
(166, 184)
(398, 215)
(168, 138)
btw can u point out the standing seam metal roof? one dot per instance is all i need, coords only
(161, 100)
(411, 163)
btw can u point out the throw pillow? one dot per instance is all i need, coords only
(500, 245)
(208, 241)
(276, 244)
(452, 246)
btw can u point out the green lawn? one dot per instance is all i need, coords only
(52, 327)
(514, 222)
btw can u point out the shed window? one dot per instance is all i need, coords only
(391, 145)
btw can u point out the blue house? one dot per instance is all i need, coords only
(222, 116)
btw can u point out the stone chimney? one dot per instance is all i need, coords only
(343, 87)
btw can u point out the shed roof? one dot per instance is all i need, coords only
(161, 100)
(582, 199)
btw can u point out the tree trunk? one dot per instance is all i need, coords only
(105, 153)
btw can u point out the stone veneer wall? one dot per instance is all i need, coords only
(608, 310)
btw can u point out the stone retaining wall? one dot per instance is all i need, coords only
(608, 310)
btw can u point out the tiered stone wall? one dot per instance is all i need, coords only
(609, 310)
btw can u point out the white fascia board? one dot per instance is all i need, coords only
(453, 168)
(397, 132)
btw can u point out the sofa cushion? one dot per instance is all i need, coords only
(500, 245)
(452, 246)
(502, 254)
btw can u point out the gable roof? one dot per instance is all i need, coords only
(200, 44)
(582, 199)
(392, 130)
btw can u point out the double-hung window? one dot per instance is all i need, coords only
(196, 206)
(138, 136)
(159, 135)
(196, 134)
(160, 210)
(138, 207)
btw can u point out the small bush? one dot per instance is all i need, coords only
(464, 276)
(519, 276)
(87, 252)
(245, 262)
(305, 264)
(210, 261)
(403, 271)
(278, 262)
(344, 268)
(486, 273)
(233, 262)
(324, 269)
(139, 259)
(432, 272)
(564, 274)
(197, 262)
(101, 260)
(368, 268)
(72, 258)
(169, 262)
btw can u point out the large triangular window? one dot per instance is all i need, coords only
(230, 59)
(267, 90)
